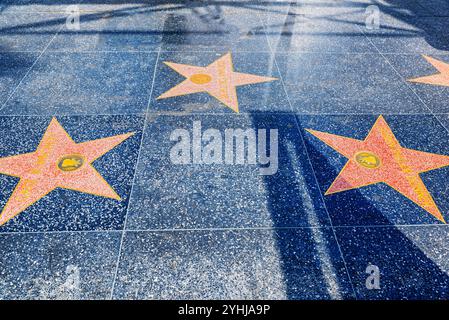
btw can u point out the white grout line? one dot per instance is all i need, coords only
(406, 82)
(134, 178)
(231, 114)
(57, 232)
(325, 207)
(62, 51)
(315, 178)
(291, 112)
(233, 229)
(32, 66)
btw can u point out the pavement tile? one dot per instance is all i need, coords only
(244, 264)
(415, 66)
(345, 84)
(412, 261)
(399, 33)
(13, 67)
(25, 31)
(63, 209)
(321, 34)
(59, 266)
(266, 96)
(85, 83)
(222, 195)
(379, 204)
(107, 190)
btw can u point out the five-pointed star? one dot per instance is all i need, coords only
(58, 162)
(380, 158)
(218, 79)
(439, 79)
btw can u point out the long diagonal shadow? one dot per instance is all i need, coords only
(312, 264)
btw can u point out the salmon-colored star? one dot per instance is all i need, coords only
(218, 79)
(438, 79)
(58, 162)
(380, 158)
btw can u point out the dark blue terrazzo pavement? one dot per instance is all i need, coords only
(222, 231)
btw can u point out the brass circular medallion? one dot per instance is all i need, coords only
(200, 78)
(70, 162)
(367, 159)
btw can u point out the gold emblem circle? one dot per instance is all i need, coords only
(367, 159)
(200, 78)
(70, 162)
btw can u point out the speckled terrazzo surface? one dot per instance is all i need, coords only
(95, 207)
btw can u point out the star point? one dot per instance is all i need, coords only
(217, 79)
(439, 79)
(58, 162)
(379, 158)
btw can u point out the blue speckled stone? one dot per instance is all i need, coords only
(243, 264)
(414, 66)
(183, 26)
(13, 67)
(417, 8)
(131, 27)
(58, 265)
(345, 84)
(28, 31)
(412, 261)
(178, 196)
(203, 26)
(295, 31)
(223, 231)
(435, 7)
(401, 33)
(85, 83)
